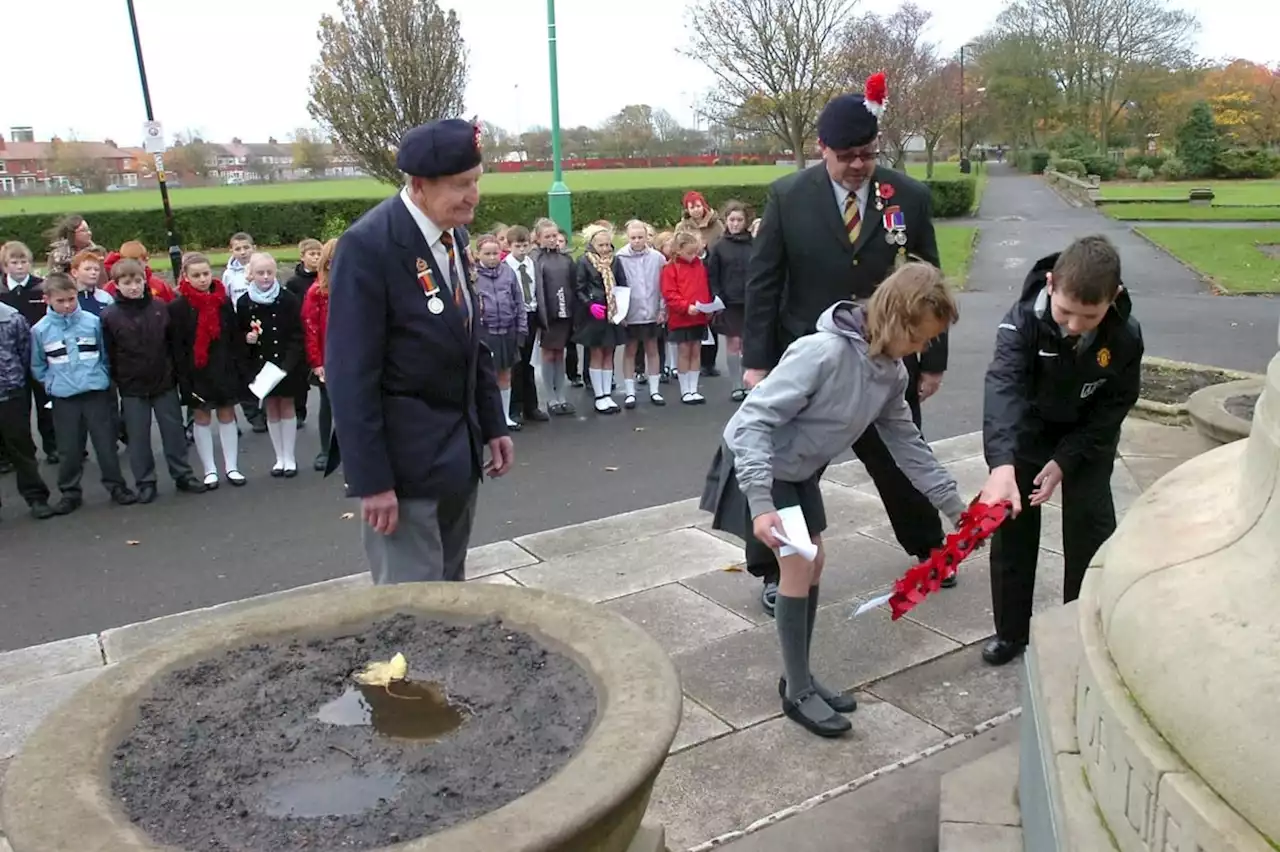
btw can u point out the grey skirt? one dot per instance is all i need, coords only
(557, 334)
(505, 348)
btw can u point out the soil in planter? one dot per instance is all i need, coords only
(1174, 387)
(273, 747)
(1242, 406)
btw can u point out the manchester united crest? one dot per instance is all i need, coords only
(1104, 357)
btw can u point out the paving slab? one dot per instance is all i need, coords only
(697, 725)
(497, 557)
(851, 509)
(983, 791)
(1146, 470)
(736, 591)
(730, 782)
(50, 659)
(496, 579)
(24, 707)
(959, 447)
(631, 566)
(678, 618)
(966, 837)
(1140, 437)
(890, 814)
(737, 677)
(956, 692)
(607, 532)
(851, 473)
(121, 642)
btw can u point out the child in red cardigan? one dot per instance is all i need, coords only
(315, 322)
(684, 286)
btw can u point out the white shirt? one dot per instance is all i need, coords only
(17, 285)
(527, 263)
(842, 196)
(431, 233)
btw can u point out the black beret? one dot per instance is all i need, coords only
(439, 149)
(847, 122)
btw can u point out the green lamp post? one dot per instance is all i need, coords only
(559, 203)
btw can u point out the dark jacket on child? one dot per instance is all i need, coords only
(301, 280)
(554, 272)
(15, 353)
(141, 345)
(727, 267)
(280, 341)
(28, 299)
(218, 383)
(501, 302)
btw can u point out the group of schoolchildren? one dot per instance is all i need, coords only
(102, 347)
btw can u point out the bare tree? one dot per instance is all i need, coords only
(894, 44)
(670, 137)
(937, 105)
(310, 152)
(774, 61)
(385, 67)
(191, 155)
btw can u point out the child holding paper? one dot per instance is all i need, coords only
(684, 286)
(828, 388)
(269, 320)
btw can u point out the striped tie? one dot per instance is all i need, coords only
(446, 239)
(852, 217)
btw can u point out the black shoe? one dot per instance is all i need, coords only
(710, 372)
(999, 651)
(42, 511)
(576, 381)
(841, 703)
(290, 472)
(259, 426)
(277, 472)
(52, 458)
(832, 726)
(66, 505)
(124, 497)
(146, 494)
(6, 467)
(769, 597)
(950, 582)
(302, 423)
(537, 416)
(515, 426)
(321, 463)
(190, 485)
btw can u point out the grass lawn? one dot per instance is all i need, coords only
(1232, 258)
(1225, 191)
(494, 184)
(1158, 212)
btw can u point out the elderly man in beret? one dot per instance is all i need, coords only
(835, 231)
(414, 394)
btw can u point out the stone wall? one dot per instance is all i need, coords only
(1084, 191)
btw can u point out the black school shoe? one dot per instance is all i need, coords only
(321, 464)
(124, 496)
(146, 494)
(769, 598)
(841, 703)
(67, 505)
(190, 485)
(6, 467)
(831, 726)
(42, 511)
(999, 651)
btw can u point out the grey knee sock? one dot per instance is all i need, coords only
(735, 369)
(813, 617)
(792, 615)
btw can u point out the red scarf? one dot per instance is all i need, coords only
(208, 316)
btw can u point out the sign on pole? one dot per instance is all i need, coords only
(153, 137)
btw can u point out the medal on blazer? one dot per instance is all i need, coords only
(884, 191)
(895, 226)
(429, 288)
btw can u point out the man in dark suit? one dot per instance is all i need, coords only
(831, 232)
(414, 394)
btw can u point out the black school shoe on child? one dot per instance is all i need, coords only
(815, 715)
(839, 702)
(124, 496)
(146, 493)
(999, 651)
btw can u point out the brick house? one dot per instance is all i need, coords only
(34, 166)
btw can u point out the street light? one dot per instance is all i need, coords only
(559, 203)
(965, 165)
(175, 250)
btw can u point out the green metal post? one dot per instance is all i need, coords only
(559, 204)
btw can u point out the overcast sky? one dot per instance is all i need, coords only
(241, 67)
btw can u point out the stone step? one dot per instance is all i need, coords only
(978, 808)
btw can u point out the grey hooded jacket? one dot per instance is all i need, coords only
(824, 393)
(644, 276)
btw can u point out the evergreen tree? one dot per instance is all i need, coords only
(1199, 142)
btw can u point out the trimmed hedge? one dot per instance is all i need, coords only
(283, 223)
(1032, 161)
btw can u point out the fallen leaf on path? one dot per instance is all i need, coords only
(381, 674)
(133, 542)
(611, 470)
(734, 569)
(346, 516)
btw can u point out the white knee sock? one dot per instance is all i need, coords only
(505, 393)
(607, 375)
(693, 381)
(683, 378)
(273, 430)
(203, 436)
(653, 383)
(230, 440)
(673, 356)
(629, 386)
(597, 381)
(288, 441)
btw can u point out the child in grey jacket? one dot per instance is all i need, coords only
(828, 388)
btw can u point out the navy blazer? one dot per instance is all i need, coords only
(414, 394)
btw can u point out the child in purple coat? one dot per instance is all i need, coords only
(504, 322)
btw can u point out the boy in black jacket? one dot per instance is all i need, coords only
(1066, 372)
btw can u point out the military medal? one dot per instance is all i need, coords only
(434, 303)
(884, 191)
(895, 226)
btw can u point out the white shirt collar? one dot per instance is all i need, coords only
(18, 285)
(842, 194)
(430, 230)
(516, 264)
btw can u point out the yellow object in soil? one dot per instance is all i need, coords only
(382, 674)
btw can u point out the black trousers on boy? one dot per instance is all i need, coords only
(1088, 519)
(524, 385)
(20, 449)
(137, 422)
(710, 353)
(93, 416)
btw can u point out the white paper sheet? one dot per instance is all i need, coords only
(265, 382)
(872, 604)
(794, 534)
(710, 307)
(621, 303)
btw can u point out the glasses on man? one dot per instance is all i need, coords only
(854, 155)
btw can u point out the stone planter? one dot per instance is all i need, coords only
(58, 793)
(1176, 411)
(1208, 409)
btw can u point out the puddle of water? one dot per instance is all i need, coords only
(409, 711)
(342, 795)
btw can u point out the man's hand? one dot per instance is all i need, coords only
(930, 383)
(763, 527)
(1047, 481)
(1001, 486)
(502, 454)
(381, 512)
(751, 378)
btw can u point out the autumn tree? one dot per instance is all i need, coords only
(894, 44)
(629, 133)
(310, 152)
(1022, 93)
(75, 161)
(191, 155)
(937, 108)
(385, 67)
(1245, 99)
(775, 63)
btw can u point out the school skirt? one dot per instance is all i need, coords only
(695, 334)
(557, 333)
(729, 322)
(731, 513)
(644, 331)
(505, 348)
(599, 334)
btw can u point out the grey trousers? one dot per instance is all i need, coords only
(173, 439)
(429, 544)
(92, 416)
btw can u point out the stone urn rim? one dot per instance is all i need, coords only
(64, 767)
